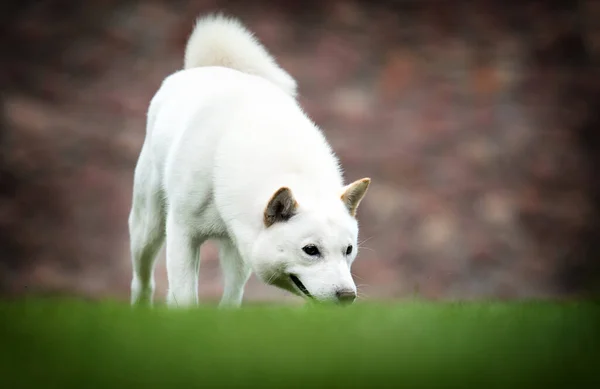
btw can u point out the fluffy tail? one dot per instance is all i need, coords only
(218, 40)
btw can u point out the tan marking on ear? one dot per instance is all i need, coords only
(354, 193)
(281, 207)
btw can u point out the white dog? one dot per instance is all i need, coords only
(230, 156)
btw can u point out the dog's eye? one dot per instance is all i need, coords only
(349, 250)
(311, 250)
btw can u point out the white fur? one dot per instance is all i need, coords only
(223, 135)
(220, 41)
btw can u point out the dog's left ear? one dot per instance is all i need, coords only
(354, 193)
(281, 207)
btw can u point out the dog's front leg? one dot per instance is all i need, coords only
(235, 274)
(183, 262)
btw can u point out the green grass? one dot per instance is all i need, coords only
(72, 344)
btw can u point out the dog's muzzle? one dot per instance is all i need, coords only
(300, 285)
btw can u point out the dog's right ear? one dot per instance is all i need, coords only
(281, 207)
(354, 193)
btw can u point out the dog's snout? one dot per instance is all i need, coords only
(345, 296)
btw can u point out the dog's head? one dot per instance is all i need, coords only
(308, 249)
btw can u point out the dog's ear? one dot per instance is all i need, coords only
(281, 207)
(354, 193)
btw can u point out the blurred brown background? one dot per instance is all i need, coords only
(477, 121)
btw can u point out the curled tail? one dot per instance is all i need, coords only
(218, 40)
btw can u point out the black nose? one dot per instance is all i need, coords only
(346, 296)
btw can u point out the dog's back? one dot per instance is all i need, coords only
(230, 120)
(217, 49)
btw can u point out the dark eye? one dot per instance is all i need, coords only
(349, 250)
(311, 250)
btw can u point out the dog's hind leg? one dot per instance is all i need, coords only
(183, 263)
(146, 231)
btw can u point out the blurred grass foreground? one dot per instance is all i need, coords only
(63, 344)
